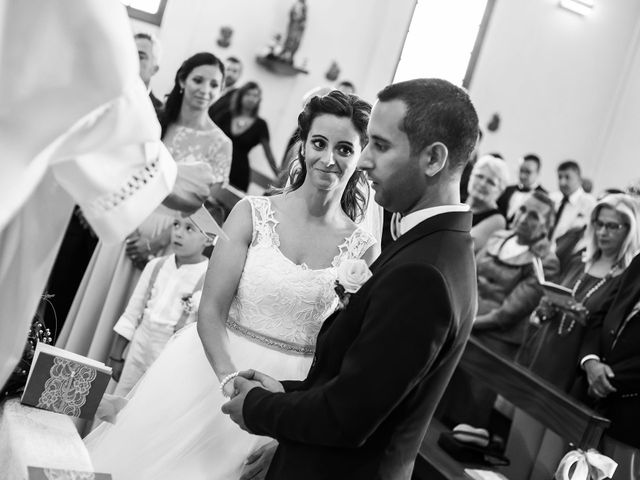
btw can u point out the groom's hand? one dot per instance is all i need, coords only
(267, 382)
(233, 407)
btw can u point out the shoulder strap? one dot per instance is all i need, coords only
(264, 222)
(187, 309)
(152, 281)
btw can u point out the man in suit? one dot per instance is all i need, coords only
(232, 73)
(573, 204)
(149, 56)
(611, 360)
(515, 195)
(383, 362)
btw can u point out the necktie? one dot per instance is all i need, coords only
(520, 188)
(394, 226)
(563, 203)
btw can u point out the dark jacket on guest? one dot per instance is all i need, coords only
(508, 289)
(617, 342)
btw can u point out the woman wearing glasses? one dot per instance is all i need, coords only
(612, 240)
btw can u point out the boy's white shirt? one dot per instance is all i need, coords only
(164, 307)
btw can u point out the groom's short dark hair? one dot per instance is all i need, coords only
(437, 111)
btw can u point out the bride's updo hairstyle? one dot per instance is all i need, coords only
(171, 110)
(356, 194)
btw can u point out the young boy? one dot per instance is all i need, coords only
(165, 299)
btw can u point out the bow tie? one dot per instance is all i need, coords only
(520, 188)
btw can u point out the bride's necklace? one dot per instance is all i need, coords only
(561, 328)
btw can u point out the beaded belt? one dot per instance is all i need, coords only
(266, 340)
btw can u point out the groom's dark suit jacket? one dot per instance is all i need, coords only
(381, 364)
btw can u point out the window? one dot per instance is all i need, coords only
(150, 11)
(444, 40)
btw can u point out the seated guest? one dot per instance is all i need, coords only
(573, 204)
(488, 179)
(611, 379)
(514, 195)
(612, 240)
(508, 291)
(466, 172)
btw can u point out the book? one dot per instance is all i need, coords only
(43, 473)
(557, 294)
(64, 382)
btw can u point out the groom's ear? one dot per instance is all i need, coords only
(433, 158)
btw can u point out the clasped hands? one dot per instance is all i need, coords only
(246, 381)
(546, 309)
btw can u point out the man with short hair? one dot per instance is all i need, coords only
(232, 73)
(573, 204)
(515, 195)
(148, 47)
(383, 361)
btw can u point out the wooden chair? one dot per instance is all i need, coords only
(539, 400)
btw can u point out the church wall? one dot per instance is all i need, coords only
(565, 87)
(365, 42)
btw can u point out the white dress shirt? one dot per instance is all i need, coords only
(412, 219)
(575, 213)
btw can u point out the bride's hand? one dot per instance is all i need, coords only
(266, 381)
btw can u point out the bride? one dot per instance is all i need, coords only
(267, 291)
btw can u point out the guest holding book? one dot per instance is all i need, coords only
(551, 349)
(166, 299)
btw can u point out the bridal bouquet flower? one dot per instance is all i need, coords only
(352, 274)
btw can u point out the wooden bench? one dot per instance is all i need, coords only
(531, 394)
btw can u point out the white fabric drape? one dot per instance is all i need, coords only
(76, 125)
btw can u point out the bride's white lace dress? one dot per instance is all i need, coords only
(172, 427)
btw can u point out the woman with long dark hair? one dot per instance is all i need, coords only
(190, 136)
(267, 292)
(246, 130)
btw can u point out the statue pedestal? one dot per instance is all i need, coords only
(279, 67)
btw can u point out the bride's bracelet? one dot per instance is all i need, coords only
(226, 380)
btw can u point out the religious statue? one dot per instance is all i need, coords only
(295, 29)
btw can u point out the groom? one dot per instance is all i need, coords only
(382, 363)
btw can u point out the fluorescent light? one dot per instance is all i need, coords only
(581, 7)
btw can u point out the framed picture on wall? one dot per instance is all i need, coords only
(149, 11)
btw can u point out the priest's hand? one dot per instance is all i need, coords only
(192, 187)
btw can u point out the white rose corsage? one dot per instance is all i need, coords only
(352, 274)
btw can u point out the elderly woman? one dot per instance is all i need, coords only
(612, 240)
(508, 291)
(488, 180)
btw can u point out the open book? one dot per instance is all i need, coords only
(557, 294)
(65, 382)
